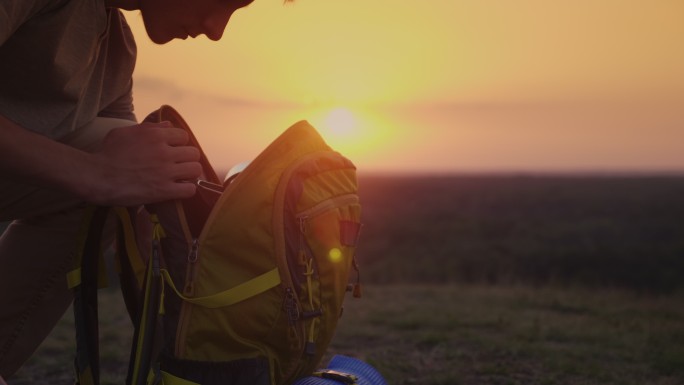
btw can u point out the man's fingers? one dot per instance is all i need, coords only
(173, 190)
(184, 189)
(185, 154)
(187, 171)
(173, 136)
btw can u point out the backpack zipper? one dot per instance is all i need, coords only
(192, 263)
(188, 287)
(187, 291)
(292, 309)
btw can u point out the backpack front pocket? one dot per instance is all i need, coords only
(324, 256)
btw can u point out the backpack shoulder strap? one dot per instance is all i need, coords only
(85, 285)
(89, 274)
(145, 347)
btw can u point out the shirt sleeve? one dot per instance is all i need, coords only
(121, 56)
(121, 108)
(14, 13)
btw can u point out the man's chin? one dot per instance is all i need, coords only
(158, 38)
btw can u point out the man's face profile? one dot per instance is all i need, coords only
(166, 20)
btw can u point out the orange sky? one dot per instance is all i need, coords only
(437, 85)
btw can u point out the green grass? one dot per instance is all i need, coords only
(512, 335)
(53, 362)
(439, 335)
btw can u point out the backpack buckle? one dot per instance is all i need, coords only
(213, 187)
(338, 376)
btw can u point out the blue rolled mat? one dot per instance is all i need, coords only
(339, 371)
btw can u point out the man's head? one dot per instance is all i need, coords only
(166, 20)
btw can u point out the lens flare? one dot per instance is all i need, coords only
(335, 254)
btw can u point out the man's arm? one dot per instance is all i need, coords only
(135, 165)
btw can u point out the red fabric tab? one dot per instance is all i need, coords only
(349, 233)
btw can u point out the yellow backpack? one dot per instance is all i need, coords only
(245, 282)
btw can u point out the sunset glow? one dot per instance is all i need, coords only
(357, 133)
(438, 85)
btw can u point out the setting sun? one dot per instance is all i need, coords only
(341, 128)
(340, 122)
(358, 132)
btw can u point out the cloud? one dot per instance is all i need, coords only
(157, 90)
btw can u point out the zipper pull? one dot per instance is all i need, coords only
(192, 258)
(302, 233)
(302, 224)
(357, 286)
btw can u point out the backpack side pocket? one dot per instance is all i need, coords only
(318, 194)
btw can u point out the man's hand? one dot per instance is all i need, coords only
(146, 163)
(140, 164)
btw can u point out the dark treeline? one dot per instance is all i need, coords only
(617, 231)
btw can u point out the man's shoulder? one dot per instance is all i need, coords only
(15, 13)
(20, 11)
(70, 75)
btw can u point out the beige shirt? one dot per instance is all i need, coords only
(64, 62)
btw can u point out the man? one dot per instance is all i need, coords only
(68, 138)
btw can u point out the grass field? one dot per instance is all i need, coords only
(451, 335)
